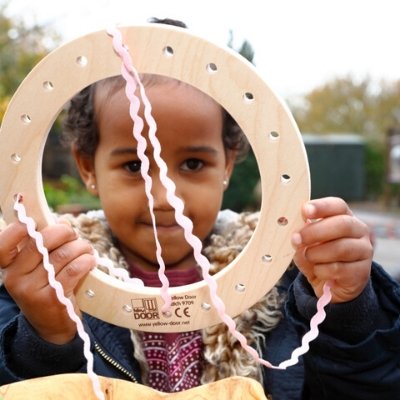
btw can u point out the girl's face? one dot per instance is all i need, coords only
(189, 128)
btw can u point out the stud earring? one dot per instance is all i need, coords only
(92, 186)
(225, 182)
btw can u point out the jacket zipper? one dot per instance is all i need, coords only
(114, 363)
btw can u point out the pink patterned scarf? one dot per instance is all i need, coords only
(174, 359)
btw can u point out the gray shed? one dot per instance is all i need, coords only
(337, 165)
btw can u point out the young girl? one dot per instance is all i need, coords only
(356, 354)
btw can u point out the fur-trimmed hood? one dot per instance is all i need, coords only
(223, 354)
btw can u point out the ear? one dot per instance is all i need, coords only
(229, 166)
(85, 165)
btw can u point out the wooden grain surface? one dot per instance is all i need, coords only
(78, 386)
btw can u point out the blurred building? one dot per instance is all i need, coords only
(337, 165)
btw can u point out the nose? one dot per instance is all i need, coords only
(159, 193)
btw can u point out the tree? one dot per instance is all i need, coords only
(21, 47)
(347, 105)
(246, 49)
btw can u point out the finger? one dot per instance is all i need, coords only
(325, 207)
(38, 287)
(72, 273)
(331, 228)
(54, 236)
(10, 237)
(66, 253)
(37, 275)
(350, 274)
(59, 233)
(341, 250)
(303, 263)
(347, 280)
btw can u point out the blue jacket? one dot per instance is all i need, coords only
(356, 355)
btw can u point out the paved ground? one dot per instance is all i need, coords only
(386, 230)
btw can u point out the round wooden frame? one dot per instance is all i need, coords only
(231, 81)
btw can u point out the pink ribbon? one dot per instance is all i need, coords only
(132, 81)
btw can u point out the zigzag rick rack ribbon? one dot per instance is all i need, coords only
(236, 85)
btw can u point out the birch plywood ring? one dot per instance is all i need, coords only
(231, 81)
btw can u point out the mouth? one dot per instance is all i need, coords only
(165, 226)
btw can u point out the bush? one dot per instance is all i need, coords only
(240, 194)
(69, 191)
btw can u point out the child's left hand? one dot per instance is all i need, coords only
(333, 246)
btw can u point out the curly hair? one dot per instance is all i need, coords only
(80, 126)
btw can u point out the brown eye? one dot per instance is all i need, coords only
(192, 164)
(133, 166)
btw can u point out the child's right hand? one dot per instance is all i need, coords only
(27, 281)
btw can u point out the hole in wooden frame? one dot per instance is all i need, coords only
(82, 61)
(212, 68)
(168, 51)
(15, 158)
(26, 119)
(48, 86)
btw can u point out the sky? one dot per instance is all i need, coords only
(298, 44)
